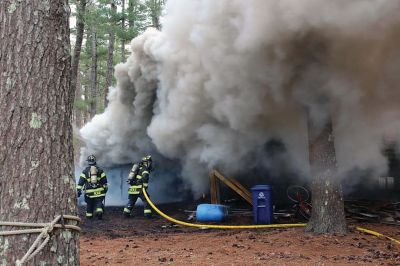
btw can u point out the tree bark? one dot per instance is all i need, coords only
(110, 60)
(327, 196)
(36, 153)
(93, 75)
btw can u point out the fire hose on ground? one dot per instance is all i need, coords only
(260, 226)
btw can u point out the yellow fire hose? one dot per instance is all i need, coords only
(377, 234)
(213, 226)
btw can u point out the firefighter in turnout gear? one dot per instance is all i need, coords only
(93, 182)
(139, 178)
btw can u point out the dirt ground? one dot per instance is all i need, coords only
(116, 240)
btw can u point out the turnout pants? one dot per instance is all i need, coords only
(132, 201)
(94, 205)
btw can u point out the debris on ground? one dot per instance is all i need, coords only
(372, 211)
(139, 241)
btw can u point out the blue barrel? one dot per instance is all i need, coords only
(211, 213)
(262, 204)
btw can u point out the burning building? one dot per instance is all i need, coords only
(225, 79)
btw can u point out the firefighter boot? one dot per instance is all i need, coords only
(99, 213)
(147, 213)
(127, 212)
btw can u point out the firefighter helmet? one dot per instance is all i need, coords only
(91, 159)
(146, 158)
(147, 161)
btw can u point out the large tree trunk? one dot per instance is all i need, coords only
(110, 60)
(36, 154)
(327, 196)
(123, 56)
(93, 75)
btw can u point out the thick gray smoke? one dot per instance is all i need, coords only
(224, 77)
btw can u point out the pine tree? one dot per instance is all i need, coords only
(36, 155)
(327, 197)
(111, 42)
(115, 23)
(75, 74)
(155, 7)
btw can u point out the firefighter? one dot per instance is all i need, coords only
(139, 178)
(93, 182)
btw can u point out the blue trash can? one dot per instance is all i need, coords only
(262, 204)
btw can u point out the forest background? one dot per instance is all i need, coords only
(100, 34)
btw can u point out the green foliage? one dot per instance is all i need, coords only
(100, 16)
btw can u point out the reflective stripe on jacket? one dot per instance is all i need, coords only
(95, 192)
(135, 189)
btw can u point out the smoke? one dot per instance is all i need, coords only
(223, 78)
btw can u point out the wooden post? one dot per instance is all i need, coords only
(214, 189)
(231, 183)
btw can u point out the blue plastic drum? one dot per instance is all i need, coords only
(211, 213)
